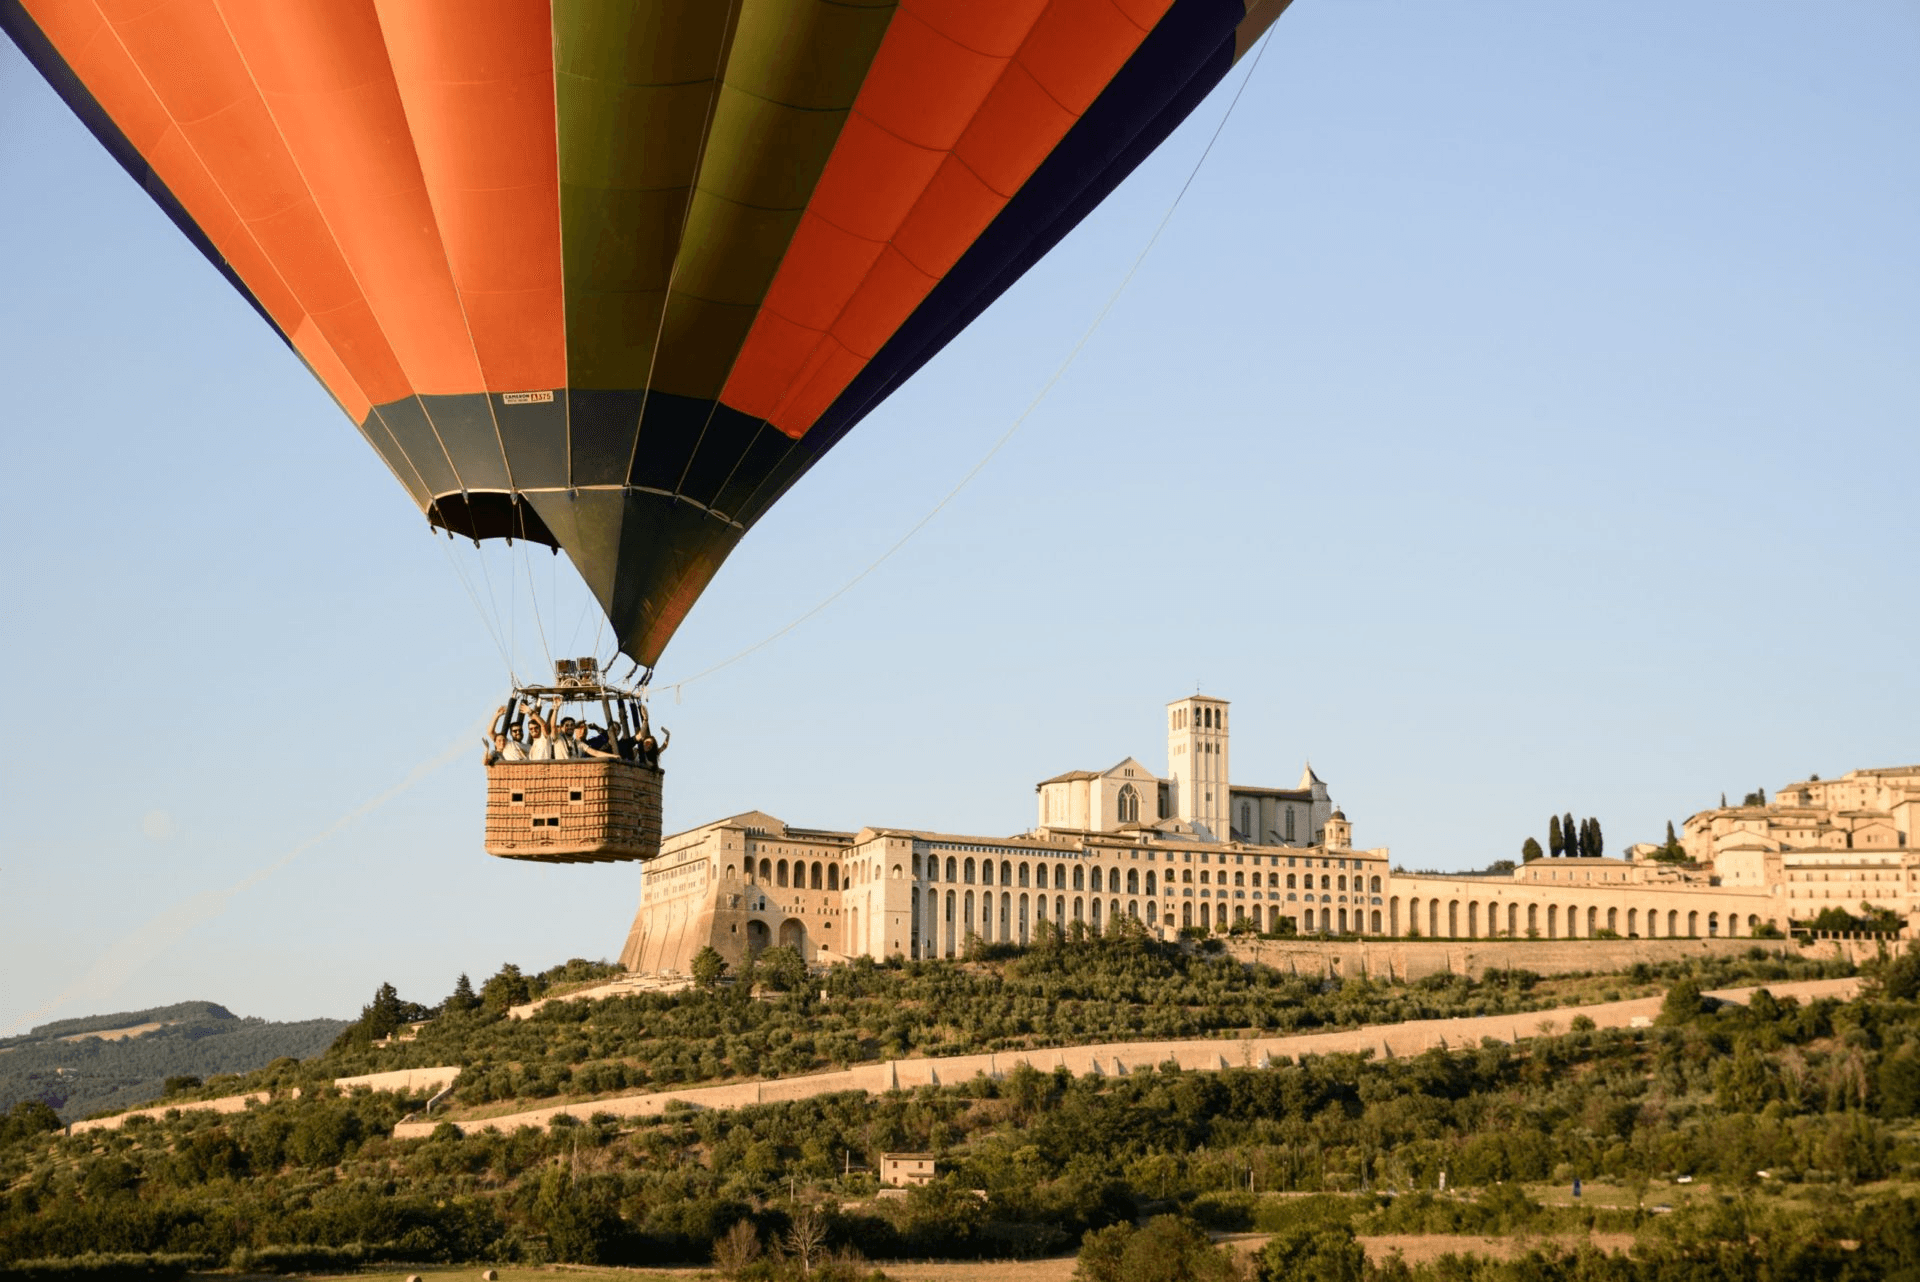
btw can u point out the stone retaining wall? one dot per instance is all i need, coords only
(1409, 959)
(1117, 1059)
(413, 1081)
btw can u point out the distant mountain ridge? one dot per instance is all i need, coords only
(79, 1075)
(175, 1013)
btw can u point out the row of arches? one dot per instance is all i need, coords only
(1471, 919)
(800, 875)
(966, 872)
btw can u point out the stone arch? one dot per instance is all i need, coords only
(1433, 918)
(1613, 920)
(1473, 920)
(1693, 925)
(1024, 926)
(1393, 914)
(793, 934)
(1553, 921)
(1593, 921)
(780, 873)
(1095, 922)
(816, 877)
(1453, 919)
(1186, 914)
(1206, 916)
(759, 938)
(1633, 922)
(1376, 921)
(1673, 922)
(1026, 873)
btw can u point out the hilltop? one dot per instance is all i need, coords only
(82, 1066)
(1791, 1123)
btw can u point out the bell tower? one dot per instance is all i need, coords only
(1197, 763)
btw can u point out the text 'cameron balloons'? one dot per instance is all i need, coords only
(610, 275)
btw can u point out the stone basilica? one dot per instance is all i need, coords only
(1194, 849)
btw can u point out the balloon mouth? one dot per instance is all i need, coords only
(489, 514)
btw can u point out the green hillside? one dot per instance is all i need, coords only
(68, 1066)
(1792, 1126)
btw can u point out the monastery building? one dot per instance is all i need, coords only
(1194, 849)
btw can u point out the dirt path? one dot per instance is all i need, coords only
(1385, 1041)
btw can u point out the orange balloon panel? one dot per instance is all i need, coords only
(613, 276)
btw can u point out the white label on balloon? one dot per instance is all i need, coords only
(525, 398)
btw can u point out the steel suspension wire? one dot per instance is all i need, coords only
(1020, 420)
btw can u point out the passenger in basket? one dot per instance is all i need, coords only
(540, 748)
(508, 748)
(583, 747)
(651, 748)
(563, 740)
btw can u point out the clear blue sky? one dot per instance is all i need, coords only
(1518, 416)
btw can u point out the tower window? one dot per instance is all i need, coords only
(1129, 805)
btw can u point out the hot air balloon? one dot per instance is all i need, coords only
(611, 275)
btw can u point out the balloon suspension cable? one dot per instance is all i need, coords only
(1018, 422)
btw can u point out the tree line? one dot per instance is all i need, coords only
(1818, 1095)
(1567, 840)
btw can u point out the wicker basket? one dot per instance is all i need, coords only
(570, 812)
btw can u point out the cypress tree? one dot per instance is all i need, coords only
(1599, 841)
(463, 997)
(1529, 851)
(1570, 834)
(1586, 838)
(1555, 843)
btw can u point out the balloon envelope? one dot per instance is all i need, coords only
(610, 275)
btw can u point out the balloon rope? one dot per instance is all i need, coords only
(533, 604)
(1032, 405)
(465, 582)
(493, 602)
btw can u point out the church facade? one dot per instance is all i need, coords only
(1192, 849)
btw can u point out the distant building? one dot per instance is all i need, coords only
(1119, 842)
(1824, 843)
(901, 1170)
(1192, 849)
